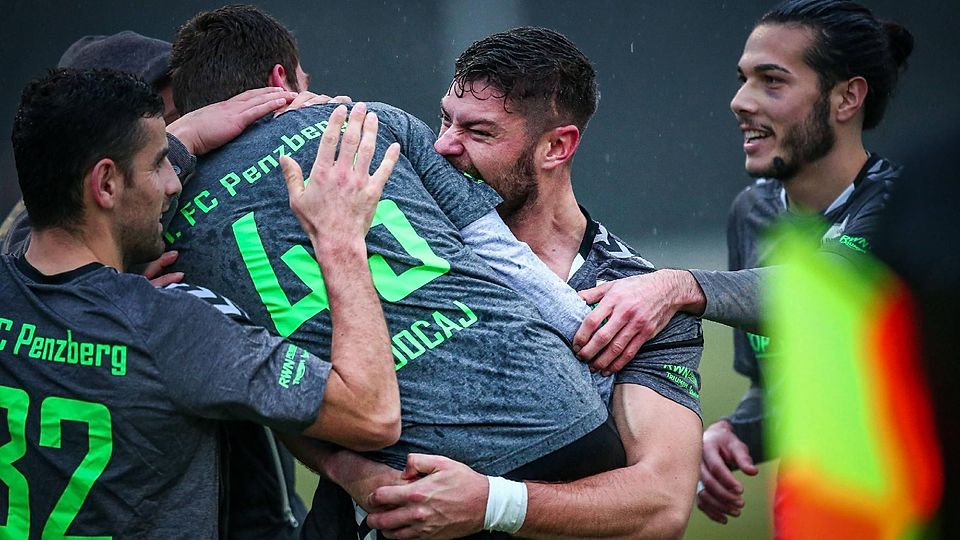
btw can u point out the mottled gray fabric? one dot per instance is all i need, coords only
(517, 265)
(733, 297)
(110, 358)
(668, 363)
(846, 230)
(483, 379)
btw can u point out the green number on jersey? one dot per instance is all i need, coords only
(53, 411)
(393, 287)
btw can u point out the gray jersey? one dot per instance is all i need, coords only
(112, 402)
(667, 363)
(482, 378)
(848, 228)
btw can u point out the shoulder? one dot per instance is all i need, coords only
(763, 193)
(183, 291)
(610, 248)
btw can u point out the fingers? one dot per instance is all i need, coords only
(383, 172)
(292, 176)
(340, 99)
(420, 464)
(328, 143)
(368, 141)
(155, 267)
(586, 343)
(594, 295)
(709, 506)
(351, 138)
(391, 496)
(167, 279)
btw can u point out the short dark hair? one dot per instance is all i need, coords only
(850, 42)
(221, 53)
(67, 121)
(537, 70)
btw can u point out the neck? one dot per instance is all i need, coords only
(54, 251)
(818, 184)
(553, 225)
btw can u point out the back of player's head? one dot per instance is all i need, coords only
(67, 121)
(221, 53)
(538, 71)
(850, 42)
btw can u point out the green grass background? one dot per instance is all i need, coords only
(721, 392)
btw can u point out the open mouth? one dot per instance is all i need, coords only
(751, 135)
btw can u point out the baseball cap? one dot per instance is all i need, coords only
(127, 51)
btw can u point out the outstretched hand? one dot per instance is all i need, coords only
(213, 126)
(337, 203)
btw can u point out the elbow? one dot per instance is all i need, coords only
(378, 429)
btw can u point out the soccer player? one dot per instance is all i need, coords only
(484, 378)
(514, 115)
(113, 390)
(815, 74)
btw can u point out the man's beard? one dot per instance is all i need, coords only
(518, 186)
(803, 143)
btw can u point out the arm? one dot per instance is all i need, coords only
(650, 498)
(361, 404)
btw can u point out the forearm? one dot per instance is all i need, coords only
(525, 273)
(633, 502)
(651, 498)
(360, 348)
(732, 297)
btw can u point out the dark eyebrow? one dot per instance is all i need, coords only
(763, 68)
(161, 156)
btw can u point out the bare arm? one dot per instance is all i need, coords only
(361, 403)
(650, 498)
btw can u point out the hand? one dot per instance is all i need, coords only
(359, 476)
(635, 309)
(722, 492)
(215, 125)
(306, 99)
(338, 203)
(154, 269)
(449, 502)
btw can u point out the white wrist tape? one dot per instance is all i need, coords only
(506, 505)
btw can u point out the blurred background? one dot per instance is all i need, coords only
(660, 162)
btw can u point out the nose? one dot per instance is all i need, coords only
(171, 184)
(743, 102)
(447, 143)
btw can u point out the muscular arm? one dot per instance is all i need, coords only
(361, 404)
(650, 498)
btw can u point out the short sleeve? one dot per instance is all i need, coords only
(667, 364)
(215, 367)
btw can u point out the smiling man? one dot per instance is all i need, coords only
(814, 75)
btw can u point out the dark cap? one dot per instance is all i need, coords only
(126, 51)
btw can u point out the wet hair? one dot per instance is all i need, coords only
(536, 70)
(67, 121)
(221, 53)
(849, 42)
